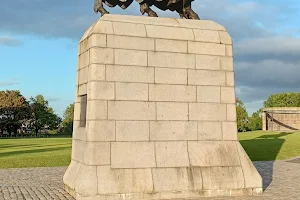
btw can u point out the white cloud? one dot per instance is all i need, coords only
(10, 41)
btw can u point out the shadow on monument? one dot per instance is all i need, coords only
(265, 148)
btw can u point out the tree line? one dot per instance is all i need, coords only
(254, 122)
(19, 115)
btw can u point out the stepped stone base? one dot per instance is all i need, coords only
(155, 114)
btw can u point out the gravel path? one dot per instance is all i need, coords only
(46, 183)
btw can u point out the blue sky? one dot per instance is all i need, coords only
(38, 45)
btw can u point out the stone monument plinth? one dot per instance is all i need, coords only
(155, 114)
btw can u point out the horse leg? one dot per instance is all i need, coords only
(98, 7)
(188, 12)
(144, 7)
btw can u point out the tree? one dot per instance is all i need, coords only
(242, 116)
(42, 115)
(290, 99)
(255, 121)
(14, 110)
(68, 119)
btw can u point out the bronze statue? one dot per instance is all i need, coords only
(183, 7)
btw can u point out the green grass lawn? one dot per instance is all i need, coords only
(49, 152)
(261, 145)
(41, 152)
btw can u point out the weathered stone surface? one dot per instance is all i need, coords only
(173, 130)
(171, 60)
(231, 112)
(78, 153)
(69, 176)
(82, 90)
(132, 131)
(131, 110)
(207, 62)
(77, 111)
(134, 43)
(96, 72)
(132, 91)
(101, 90)
(132, 155)
(84, 60)
(208, 94)
(169, 32)
(207, 111)
(228, 50)
(227, 95)
(172, 111)
(129, 74)
(229, 78)
(101, 130)
(129, 29)
(137, 58)
(171, 179)
(171, 154)
(83, 76)
(215, 178)
(171, 45)
(225, 37)
(206, 48)
(86, 181)
(181, 93)
(101, 26)
(101, 56)
(113, 181)
(97, 40)
(209, 130)
(99, 106)
(213, 153)
(206, 77)
(206, 36)
(97, 153)
(229, 130)
(226, 63)
(170, 76)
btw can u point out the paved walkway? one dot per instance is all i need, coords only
(46, 183)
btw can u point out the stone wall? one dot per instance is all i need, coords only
(160, 113)
(281, 119)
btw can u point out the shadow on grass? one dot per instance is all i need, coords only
(5, 146)
(12, 153)
(265, 148)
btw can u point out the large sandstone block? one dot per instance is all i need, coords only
(172, 154)
(132, 155)
(131, 110)
(172, 93)
(213, 153)
(132, 91)
(138, 74)
(155, 113)
(171, 60)
(132, 131)
(173, 130)
(171, 45)
(134, 43)
(122, 181)
(172, 111)
(171, 76)
(100, 130)
(207, 111)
